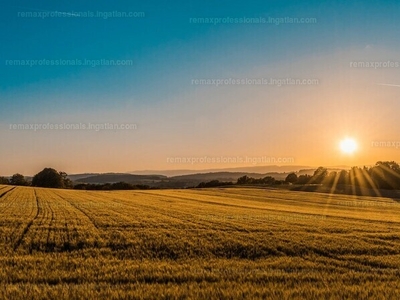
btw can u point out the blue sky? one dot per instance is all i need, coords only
(168, 51)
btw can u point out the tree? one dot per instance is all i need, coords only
(304, 179)
(319, 175)
(268, 180)
(331, 179)
(213, 183)
(250, 180)
(390, 165)
(343, 177)
(361, 177)
(18, 179)
(121, 186)
(291, 178)
(386, 175)
(4, 180)
(68, 184)
(337, 178)
(243, 180)
(48, 177)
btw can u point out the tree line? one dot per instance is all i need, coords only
(383, 175)
(50, 178)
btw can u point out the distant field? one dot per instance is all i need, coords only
(198, 244)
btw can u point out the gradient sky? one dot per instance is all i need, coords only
(176, 118)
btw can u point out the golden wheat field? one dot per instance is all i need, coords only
(197, 244)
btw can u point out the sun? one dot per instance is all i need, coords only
(348, 146)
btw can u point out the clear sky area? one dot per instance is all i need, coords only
(118, 86)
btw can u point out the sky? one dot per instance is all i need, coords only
(161, 85)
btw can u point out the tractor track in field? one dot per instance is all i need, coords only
(28, 226)
(179, 216)
(184, 216)
(6, 192)
(64, 213)
(6, 203)
(48, 242)
(91, 219)
(15, 229)
(67, 239)
(3, 187)
(83, 212)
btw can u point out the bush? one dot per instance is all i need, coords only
(4, 180)
(49, 178)
(18, 179)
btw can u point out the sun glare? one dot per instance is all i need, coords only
(348, 146)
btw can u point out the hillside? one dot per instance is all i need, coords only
(160, 181)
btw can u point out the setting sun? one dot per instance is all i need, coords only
(348, 146)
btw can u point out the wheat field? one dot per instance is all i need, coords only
(227, 243)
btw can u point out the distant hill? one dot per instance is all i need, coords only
(162, 181)
(227, 176)
(249, 169)
(189, 179)
(118, 177)
(76, 177)
(195, 179)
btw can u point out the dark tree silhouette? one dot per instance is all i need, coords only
(386, 175)
(4, 180)
(343, 177)
(319, 175)
(68, 184)
(304, 179)
(243, 180)
(213, 183)
(48, 177)
(250, 180)
(291, 178)
(18, 179)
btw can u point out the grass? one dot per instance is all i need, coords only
(197, 244)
